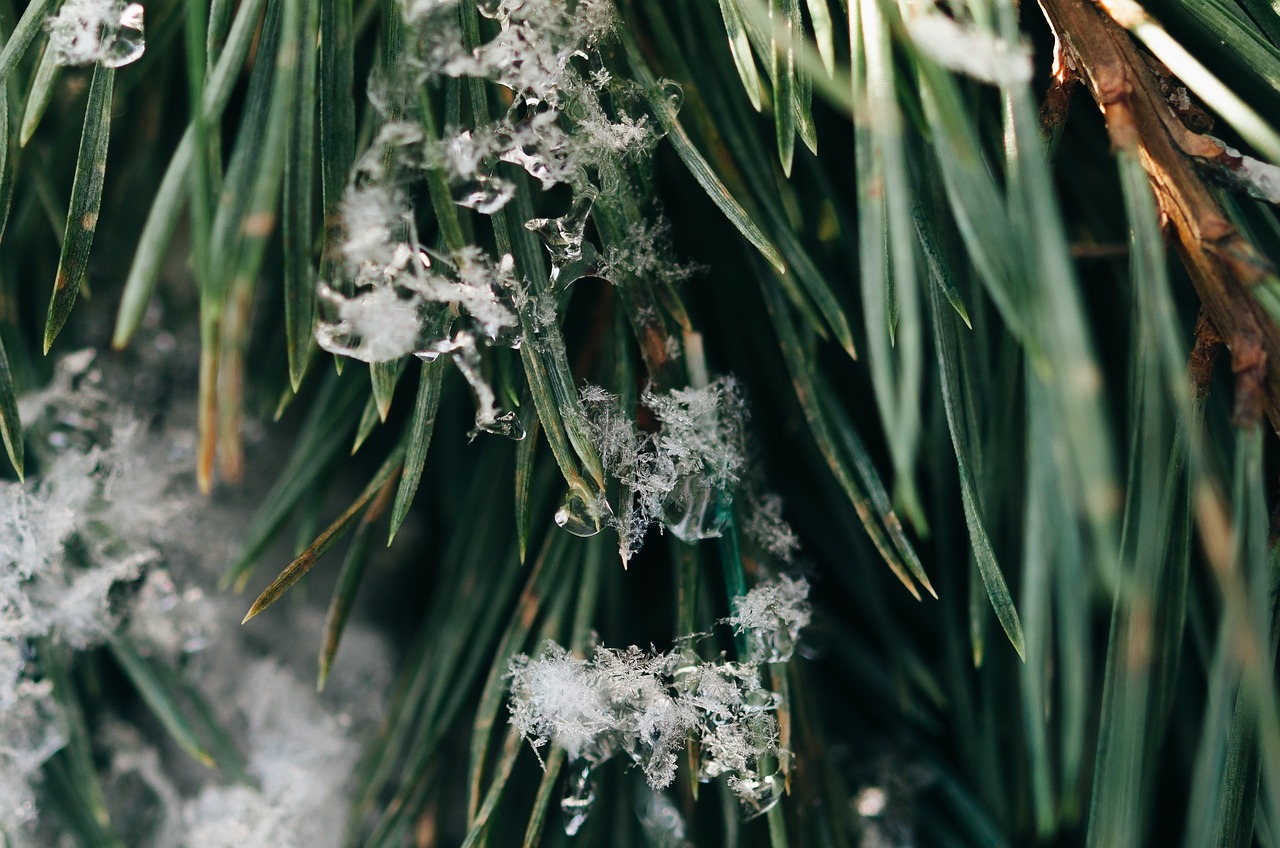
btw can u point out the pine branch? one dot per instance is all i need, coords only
(1223, 265)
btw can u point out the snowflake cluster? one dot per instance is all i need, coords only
(677, 476)
(649, 705)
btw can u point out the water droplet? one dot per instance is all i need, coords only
(673, 94)
(491, 9)
(692, 510)
(578, 800)
(579, 515)
(486, 195)
(124, 44)
(759, 794)
(661, 821)
(563, 236)
(586, 265)
(508, 424)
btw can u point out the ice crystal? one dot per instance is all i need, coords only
(646, 253)
(107, 32)
(766, 527)
(703, 429)
(771, 617)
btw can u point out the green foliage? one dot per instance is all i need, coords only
(962, 333)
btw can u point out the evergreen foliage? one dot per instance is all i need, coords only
(748, 422)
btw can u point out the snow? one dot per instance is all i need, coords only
(556, 697)
(107, 538)
(649, 705)
(377, 326)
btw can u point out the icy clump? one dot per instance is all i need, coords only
(678, 475)
(377, 326)
(969, 50)
(619, 701)
(402, 307)
(555, 697)
(649, 706)
(107, 32)
(771, 617)
(536, 44)
(570, 122)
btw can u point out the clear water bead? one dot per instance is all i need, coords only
(107, 32)
(507, 424)
(578, 516)
(692, 511)
(578, 800)
(128, 41)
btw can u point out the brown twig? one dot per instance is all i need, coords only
(1204, 355)
(1140, 118)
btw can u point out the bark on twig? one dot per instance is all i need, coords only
(1221, 263)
